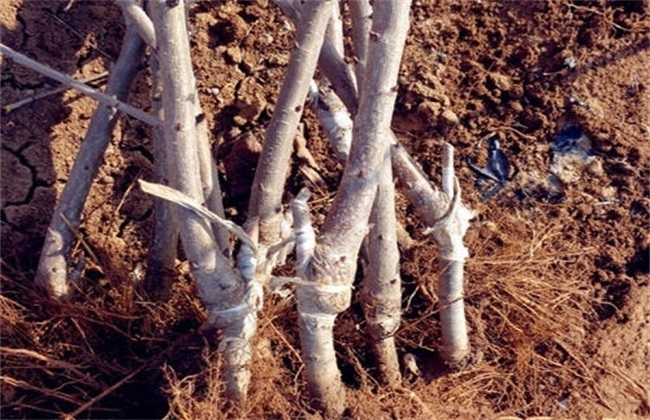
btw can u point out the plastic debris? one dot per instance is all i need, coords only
(497, 170)
(571, 139)
(571, 155)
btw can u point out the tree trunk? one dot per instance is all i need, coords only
(222, 290)
(330, 272)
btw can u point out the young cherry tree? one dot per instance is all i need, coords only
(328, 269)
(326, 264)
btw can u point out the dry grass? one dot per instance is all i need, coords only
(528, 306)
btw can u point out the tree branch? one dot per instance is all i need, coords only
(361, 14)
(448, 232)
(103, 98)
(332, 267)
(139, 19)
(231, 303)
(164, 244)
(268, 185)
(52, 270)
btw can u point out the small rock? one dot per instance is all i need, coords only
(234, 54)
(429, 110)
(501, 81)
(450, 117)
(609, 193)
(250, 99)
(595, 168)
(239, 120)
(517, 106)
(584, 210)
(266, 39)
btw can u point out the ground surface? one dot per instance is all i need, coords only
(557, 284)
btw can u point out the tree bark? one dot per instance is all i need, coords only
(164, 245)
(361, 14)
(382, 286)
(448, 220)
(330, 272)
(268, 185)
(210, 181)
(381, 292)
(52, 271)
(228, 299)
(137, 17)
(448, 233)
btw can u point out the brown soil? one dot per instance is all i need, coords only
(557, 284)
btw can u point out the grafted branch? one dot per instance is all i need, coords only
(448, 220)
(220, 286)
(331, 269)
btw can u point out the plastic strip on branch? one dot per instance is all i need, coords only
(52, 271)
(334, 118)
(448, 232)
(333, 264)
(268, 185)
(103, 98)
(231, 303)
(449, 220)
(186, 202)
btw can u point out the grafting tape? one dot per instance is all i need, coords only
(252, 304)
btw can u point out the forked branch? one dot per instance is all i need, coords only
(331, 269)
